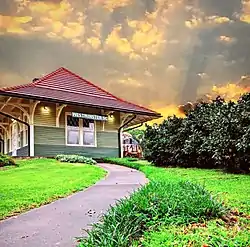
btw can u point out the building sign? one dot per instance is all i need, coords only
(90, 116)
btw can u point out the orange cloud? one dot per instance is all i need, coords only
(167, 111)
(147, 38)
(230, 91)
(116, 42)
(226, 39)
(131, 82)
(94, 42)
(111, 5)
(200, 21)
(14, 24)
(246, 11)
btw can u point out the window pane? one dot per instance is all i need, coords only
(73, 135)
(72, 121)
(73, 130)
(26, 136)
(89, 138)
(88, 124)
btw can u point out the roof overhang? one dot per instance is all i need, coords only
(141, 116)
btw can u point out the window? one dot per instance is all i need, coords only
(8, 145)
(73, 131)
(88, 132)
(80, 131)
(19, 135)
(25, 132)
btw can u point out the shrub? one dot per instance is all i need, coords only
(123, 162)
(132, 159)
(155, 204)
(212, 135)
(6, 160)
(75, 159)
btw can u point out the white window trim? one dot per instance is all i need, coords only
(80, 133)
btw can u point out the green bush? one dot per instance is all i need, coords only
(155, 204)
(123, 162)
(6, 160)
(75, 159)
(212, 135)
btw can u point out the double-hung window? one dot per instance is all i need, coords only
(88, 132)
(80, 131)
(73, 131)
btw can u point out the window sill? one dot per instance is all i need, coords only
(83, 146)
(73, 145)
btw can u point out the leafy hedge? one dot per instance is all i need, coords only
(157, 203)
(6, 160)
(212, 135)
(75, 159)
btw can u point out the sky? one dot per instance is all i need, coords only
(156, 53)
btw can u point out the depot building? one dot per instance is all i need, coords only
(62, 113)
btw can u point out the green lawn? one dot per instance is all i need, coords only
(39, 181)
(233, 189)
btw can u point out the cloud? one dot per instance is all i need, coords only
(118, 43)
(166, 52)
(111, 5)
(14, 24)
(245, 16)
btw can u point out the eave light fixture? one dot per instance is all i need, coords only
(45, 109)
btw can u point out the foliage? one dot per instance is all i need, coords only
(40, 181)
(6, 160)
(212, 135)
(233, 189)
(123, 162)
(137, 134)
(75, 159)
(159, 202)
(214, 233)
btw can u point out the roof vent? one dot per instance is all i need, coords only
(35, 79)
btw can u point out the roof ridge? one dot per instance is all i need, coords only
(31, 83)
(15, 87)
(92, 84)
(46, 76)
(37, 83)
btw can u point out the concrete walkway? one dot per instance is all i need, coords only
(58, 223)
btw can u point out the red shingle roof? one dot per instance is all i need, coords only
(66, 87)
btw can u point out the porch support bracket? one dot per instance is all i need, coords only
(58, 113)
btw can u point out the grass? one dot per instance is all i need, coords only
(197, 235)
(157, 203)
(40, 181)
(232, 230)
(233, 189)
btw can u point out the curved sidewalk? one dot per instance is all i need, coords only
(58, 223)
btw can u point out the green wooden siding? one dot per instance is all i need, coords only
(49, 135)
(53, 150)
(56, 136)
(107, 139)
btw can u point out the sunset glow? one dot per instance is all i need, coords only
(156, 53)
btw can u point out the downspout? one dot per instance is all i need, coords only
(119, 133)
(20, 121)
